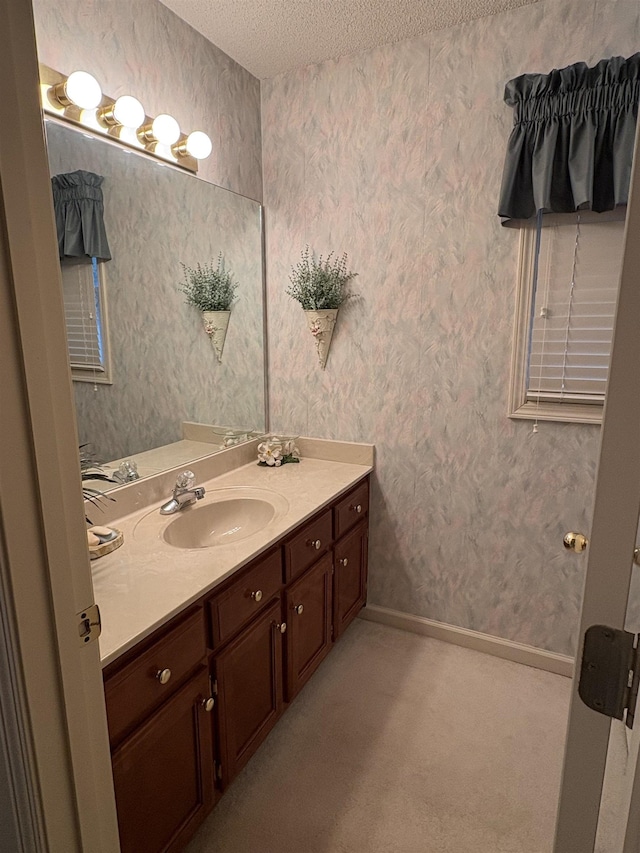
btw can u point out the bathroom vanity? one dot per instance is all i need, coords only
(190, 698)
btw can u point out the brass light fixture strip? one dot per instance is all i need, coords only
(49, 78)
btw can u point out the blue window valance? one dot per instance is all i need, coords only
(79, 210)
(572, 142)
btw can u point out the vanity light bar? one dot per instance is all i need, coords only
(79, 99)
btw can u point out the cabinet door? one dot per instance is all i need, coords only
(163, 773)
(249, 676)
(350, 577)
(308, 609)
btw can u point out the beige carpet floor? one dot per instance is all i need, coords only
(403, 744)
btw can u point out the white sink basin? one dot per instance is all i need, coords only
(218, 523)
(222, 517)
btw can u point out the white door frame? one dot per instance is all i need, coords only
(44, 567)
(612, 542)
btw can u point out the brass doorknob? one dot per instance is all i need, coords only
(575, 542)
(344, 562)
(208, 704)
(280, 626)
(257, 596)
(299, 608)
(314, 543)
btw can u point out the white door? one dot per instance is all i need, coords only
(57, 746)
(584, 813)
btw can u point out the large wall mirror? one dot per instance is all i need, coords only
(169, 399)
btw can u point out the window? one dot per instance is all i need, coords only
(85, 316)
(563, 330)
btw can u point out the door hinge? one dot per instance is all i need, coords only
(609, 672)
(218, 771)
(214, 687)
(89, 625)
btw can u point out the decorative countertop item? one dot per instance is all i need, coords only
(278, 450)
(103, 540)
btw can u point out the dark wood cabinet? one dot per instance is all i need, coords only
(249, 687)
(350, 577)
(245, 597)
(351, 509)
(144, 678)
(247, 648)
(311, 541)
(163, 773)
(308, 616)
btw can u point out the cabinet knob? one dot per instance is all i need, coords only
(257, 595)
(314, 543)
(163, 675)
(280, 626)
(357, 508)
(299, 608)
(344, 561)
(208, 704)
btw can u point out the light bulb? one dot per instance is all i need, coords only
(128, 111)
(165, 129)
(198, 145)
(83, 90)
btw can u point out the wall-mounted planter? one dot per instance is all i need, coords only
(321, 325)
(216, 324)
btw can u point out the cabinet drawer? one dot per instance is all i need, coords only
(305, 548)
(135, 689)
(351, 509)
(234, 607)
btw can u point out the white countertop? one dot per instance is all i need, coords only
(144, 583)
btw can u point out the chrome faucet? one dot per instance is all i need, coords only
(184, 494)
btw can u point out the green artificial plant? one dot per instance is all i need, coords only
(319, 284)
(91, 470)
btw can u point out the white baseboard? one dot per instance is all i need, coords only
(517, 652)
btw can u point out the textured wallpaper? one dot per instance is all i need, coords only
(395, 156)
(164, 368)
(140, 47)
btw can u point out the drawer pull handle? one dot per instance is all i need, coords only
(257, 595)
(280, 626)
(356, 508)
(163, 675)
(299, 608)
(208, 704)
(344, 561)
(314, 543)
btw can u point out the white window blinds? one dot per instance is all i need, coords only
(83, 309)
(574, 307)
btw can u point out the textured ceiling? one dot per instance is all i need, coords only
(269, 37)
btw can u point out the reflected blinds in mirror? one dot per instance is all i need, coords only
(574, 307)
(82, 309)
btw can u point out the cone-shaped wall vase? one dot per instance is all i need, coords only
(321, 325)
(216, 324)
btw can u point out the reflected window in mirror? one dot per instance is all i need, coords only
(85, 311)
